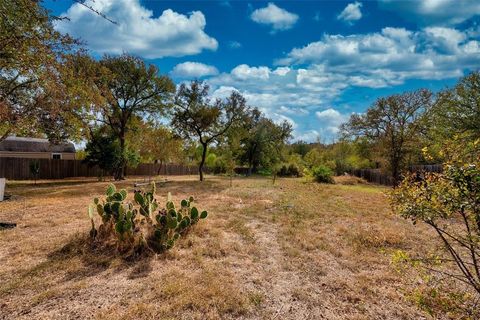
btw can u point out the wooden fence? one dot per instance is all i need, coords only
(19, 169)
(379, 177)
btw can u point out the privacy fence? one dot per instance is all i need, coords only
(19, 169)
(379, 177)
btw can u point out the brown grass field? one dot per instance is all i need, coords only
(296, 250)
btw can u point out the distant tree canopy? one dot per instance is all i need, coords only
(196, 117)
(156, 143)
(457, 111)
(264, 141)
(395, 123)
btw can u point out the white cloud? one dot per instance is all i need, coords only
(193, 70)
(391, 56)
(436, 12)
(138, 31)
(329, 121)
(278, 18)
(351, 12)
(311, 79)
(307, 136)
(244, 72)
(234, 44)
(293, 111)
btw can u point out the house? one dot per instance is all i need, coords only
(19, 147)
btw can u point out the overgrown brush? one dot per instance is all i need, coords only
(323, 174)
(139, 226)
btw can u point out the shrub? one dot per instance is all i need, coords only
(283, 172)
(323, 174)
(220, 165)
(140, 226)
(292, 170)
(448, 203)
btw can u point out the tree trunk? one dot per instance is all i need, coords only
(120, 171)
(395, 165)
(202, 162)
(159, 168)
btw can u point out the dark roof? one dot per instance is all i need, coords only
(19, 144)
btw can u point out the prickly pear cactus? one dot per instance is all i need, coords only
(142, 222)
(147, 201)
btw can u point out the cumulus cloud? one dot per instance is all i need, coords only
(244, 72)
(193, 70)
(278, 18)
(330, 121)
(437, 12)
(310, 79)
(351, 12)
(391, 56)
(307, 136)
(169, 35)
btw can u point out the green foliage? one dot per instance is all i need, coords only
(195, 116)
(449, 203)
(131, 89)
(143, 226)
(104, 151)
(340, 157)
(291, 170)
(146, 201)
(34, 83)
(458, 109)
(323, 174)
(264, 142)
(394, 124)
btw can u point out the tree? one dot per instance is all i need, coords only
(457, 111)
(32, 74)
(131, 89)
(196, 116)
(158, 144)
(393, 123)
(264, 141)
(103, 151)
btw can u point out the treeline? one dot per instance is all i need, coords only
(394, 133)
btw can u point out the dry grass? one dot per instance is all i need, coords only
(296, 250)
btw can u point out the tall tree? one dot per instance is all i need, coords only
(131, 89)
(196, 116)
(263, 143)
(457, 110)
(394, 123)
(31, 74)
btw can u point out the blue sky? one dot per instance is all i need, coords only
(312, 63)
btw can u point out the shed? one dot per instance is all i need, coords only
(35, 148)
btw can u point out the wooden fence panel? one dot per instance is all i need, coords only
(19, 169)
(379, 177)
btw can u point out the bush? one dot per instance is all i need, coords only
(449, 204)
(141, 228)
(264, 172)
(220, 166)
(292, 170)
(323, 174)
